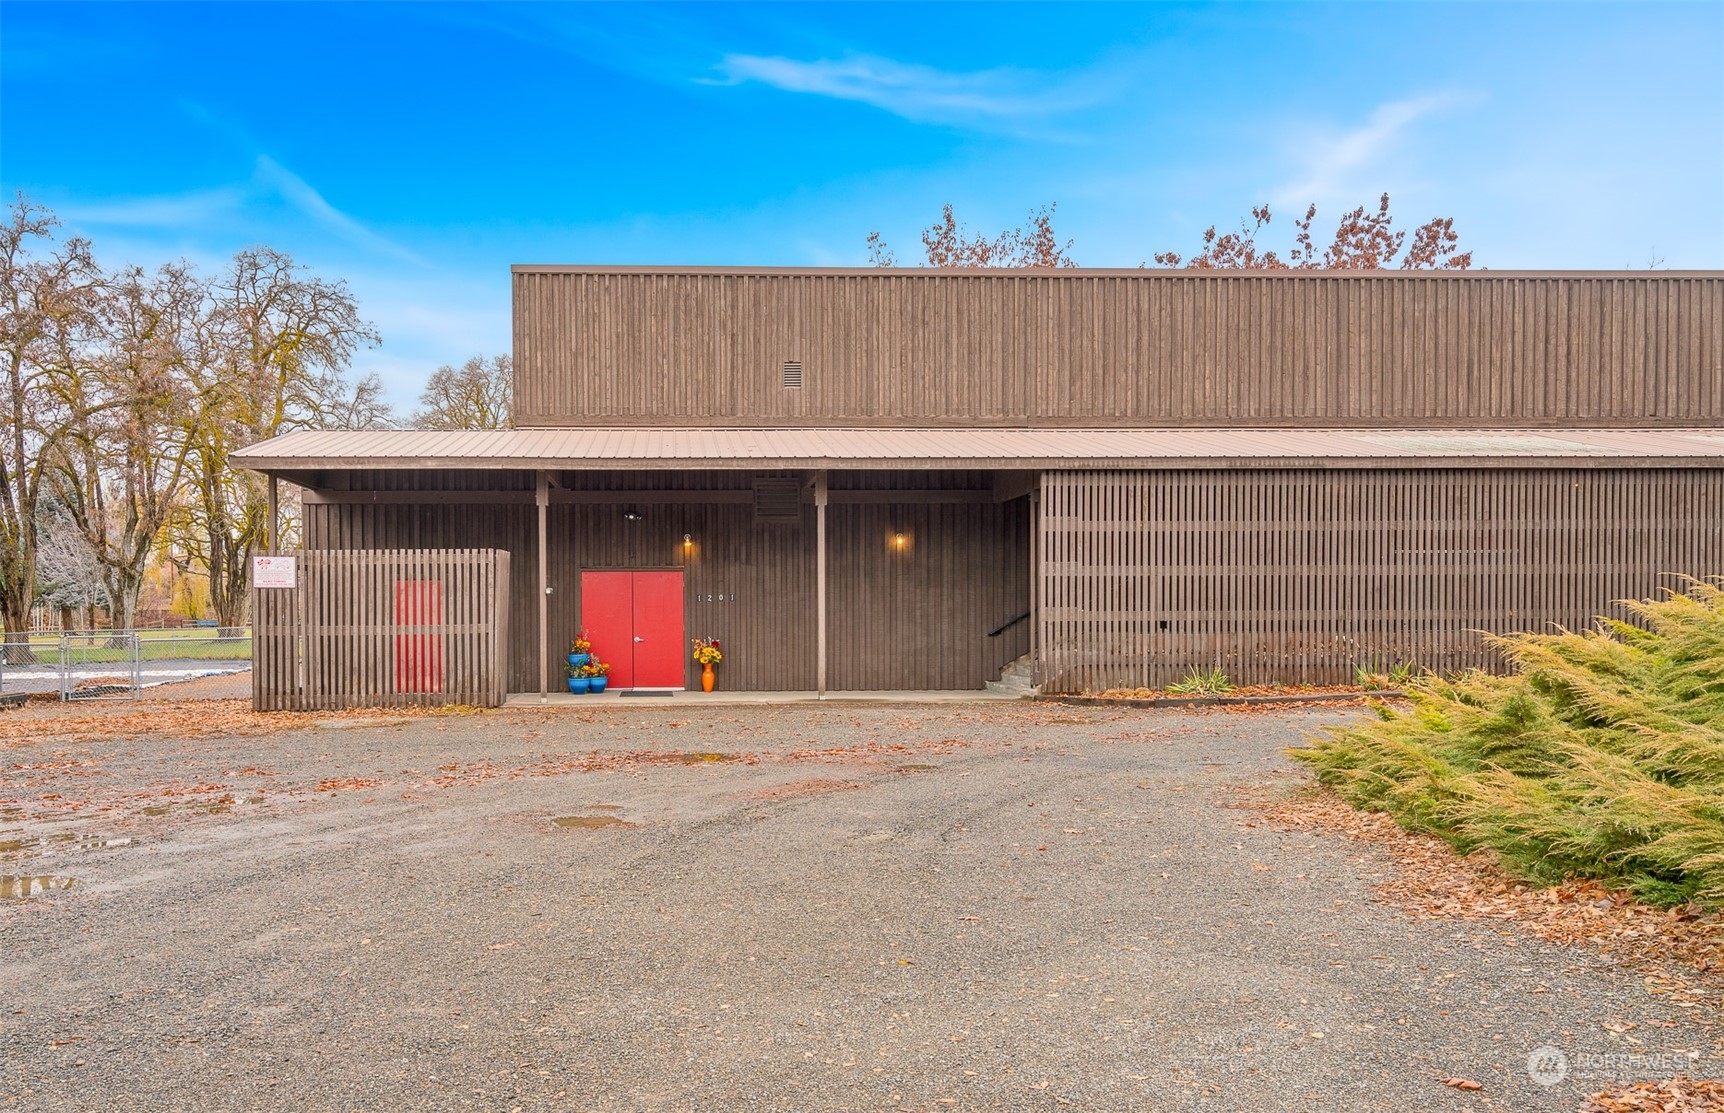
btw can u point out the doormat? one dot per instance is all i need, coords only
(647, 692)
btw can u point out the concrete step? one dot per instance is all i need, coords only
(1015, 679)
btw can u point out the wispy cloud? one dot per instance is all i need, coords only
(1341, 164)
(184, 210)
(293, 189)
(919, 93)
(270, 184)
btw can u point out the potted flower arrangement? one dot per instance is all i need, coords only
(580, 651)
(707, 654)
(580, 679)
(600, 676)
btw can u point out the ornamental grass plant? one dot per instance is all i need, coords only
(1601, 755)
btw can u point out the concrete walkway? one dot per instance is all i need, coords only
(609, 698)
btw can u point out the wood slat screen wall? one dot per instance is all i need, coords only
(334, 640)
(919, 617)
(1301, 576)
(1118, 348)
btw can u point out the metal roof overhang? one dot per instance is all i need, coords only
(635, 448)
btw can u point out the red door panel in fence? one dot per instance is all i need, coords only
(634, 620)
(419, 657)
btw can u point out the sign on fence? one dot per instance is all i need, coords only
(273, 571)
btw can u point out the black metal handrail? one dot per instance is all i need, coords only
(1007, 625)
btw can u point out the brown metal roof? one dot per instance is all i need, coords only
(1283, 274)
(617, 449)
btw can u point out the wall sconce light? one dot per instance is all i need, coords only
(687, 543)
(632, 515)
(900, 542)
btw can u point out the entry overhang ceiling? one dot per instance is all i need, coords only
(635, 448)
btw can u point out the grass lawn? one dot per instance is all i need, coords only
(155, 645)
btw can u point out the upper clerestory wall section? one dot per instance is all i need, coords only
(597, 346)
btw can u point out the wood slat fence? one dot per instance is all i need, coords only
(383, 628)
(1302, 576)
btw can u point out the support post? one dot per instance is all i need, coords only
(1036, 584)
(542, 496)
(274, 534)
(820, 583)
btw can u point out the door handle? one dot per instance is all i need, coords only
(638, 638)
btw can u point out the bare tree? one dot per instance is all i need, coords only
(122, 467)
(284, 343)
(948, 244)
(47, 316)
(1362, 241)
(480, 394)
(357, 405)
(69, 578)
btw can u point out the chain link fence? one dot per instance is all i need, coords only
(191, 663)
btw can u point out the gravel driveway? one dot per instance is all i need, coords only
(1010, 906)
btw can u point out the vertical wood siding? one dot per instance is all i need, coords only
(917, 618)
(341, 637)
(1110, 348)
(1302, 576)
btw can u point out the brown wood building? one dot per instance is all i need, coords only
(909, 479)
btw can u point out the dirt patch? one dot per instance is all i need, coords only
(814, 786)
(1678, 951)
(1313, 690)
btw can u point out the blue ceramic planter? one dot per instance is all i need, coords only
(578, 685)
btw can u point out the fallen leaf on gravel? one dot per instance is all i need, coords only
(346, 784)
(499, 946)
(1461, 1083)
(200, 718)
(1678, 1095)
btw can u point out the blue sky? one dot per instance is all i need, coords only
(417, 150)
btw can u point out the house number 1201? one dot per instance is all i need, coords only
(719, 598)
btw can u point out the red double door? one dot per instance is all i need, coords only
(635, 622)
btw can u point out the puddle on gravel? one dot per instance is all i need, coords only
(15, 843)
(704, 758)
(591, 822)
(17, 888)
(914, 768)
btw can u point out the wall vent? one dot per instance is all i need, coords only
(777, 498)
(792, 374)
